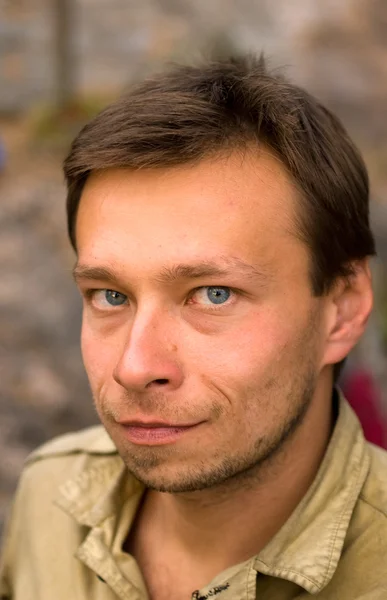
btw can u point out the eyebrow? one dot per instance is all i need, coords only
(171, 274)
(207, 269)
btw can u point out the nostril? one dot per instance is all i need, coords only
(157, 382)
(161, 381)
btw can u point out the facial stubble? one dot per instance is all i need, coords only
(236, 469)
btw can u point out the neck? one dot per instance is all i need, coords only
(229, 524)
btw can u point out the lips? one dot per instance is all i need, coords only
(151, 433)
(154, 424)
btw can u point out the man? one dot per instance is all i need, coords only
(219, 216)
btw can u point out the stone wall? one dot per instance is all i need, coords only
(114, 40)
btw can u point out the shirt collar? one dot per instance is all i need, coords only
(308, 547)
(98, 492)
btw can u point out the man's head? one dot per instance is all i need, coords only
(220, 218)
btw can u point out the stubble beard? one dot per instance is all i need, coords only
(237, 469)
(225, 472)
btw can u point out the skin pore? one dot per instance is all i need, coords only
(199, 317)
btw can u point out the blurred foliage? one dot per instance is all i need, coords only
(52, 128)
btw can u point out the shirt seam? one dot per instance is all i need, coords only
(288, 570)
(372, 505)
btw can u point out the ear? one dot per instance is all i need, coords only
(348, 308)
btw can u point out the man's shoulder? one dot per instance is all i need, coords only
(60, 490)
(362, 568)
(66, 457)
(70, 459)
(92, 441)
(374, 492)
(368, 526)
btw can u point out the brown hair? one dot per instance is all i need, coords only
(188, 113)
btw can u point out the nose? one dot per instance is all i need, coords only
(149, 358)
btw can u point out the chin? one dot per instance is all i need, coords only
(182, 479)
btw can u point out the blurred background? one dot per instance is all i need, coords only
(61, 61)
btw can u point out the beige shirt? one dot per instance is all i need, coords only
(76, 502)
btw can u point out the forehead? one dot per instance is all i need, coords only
(237, 204)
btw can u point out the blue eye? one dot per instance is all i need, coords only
(218, 295)
(114, 298)
(214, 294)
(104, 299)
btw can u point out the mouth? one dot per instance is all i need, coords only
(152, 433)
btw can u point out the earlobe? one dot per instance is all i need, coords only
(349, 307)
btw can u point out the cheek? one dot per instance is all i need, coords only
(249, 350)
(98, 356)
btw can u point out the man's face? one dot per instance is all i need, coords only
(201, 337)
